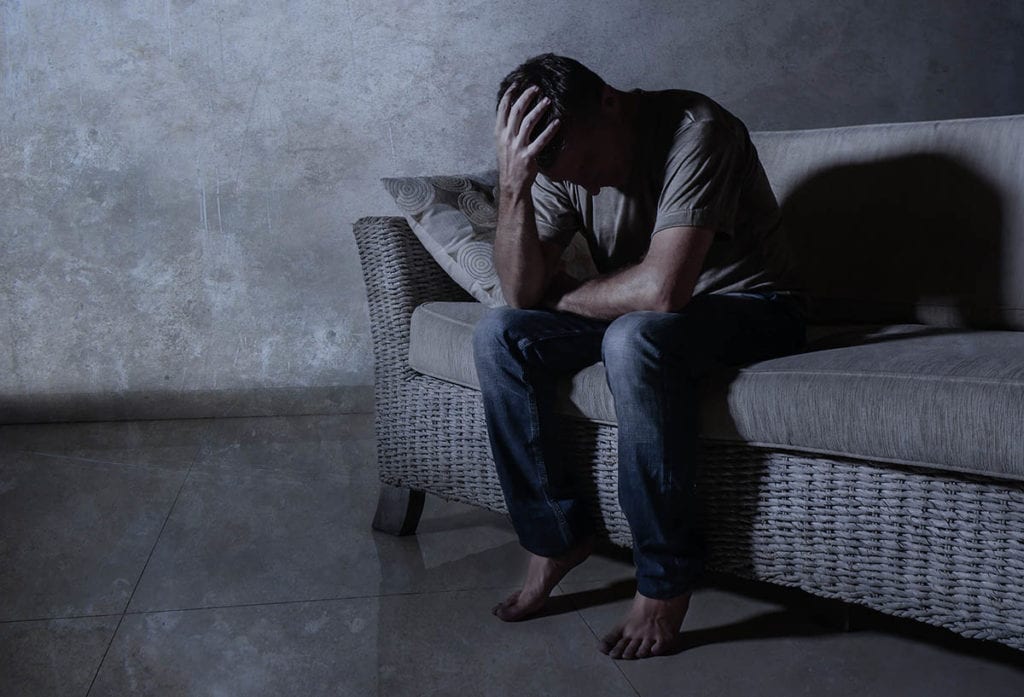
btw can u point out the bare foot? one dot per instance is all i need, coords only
(542, 574)
(651, 628)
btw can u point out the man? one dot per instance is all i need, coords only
(685, 231)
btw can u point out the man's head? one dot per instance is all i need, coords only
(591, 146)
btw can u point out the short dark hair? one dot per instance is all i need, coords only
(574, 90)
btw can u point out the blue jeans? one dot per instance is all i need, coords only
(653, 361)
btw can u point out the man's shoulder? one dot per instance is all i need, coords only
(680, 115)
(684, 107)
(546, 186)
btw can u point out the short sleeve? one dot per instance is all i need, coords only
(703, 175)
(557, 219)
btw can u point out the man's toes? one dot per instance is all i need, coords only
(503, 603)
(609, 640)
(502, 608)
(644, 651)
(619, 647)
(631, 648)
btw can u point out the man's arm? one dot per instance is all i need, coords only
(523, 261)
(663, 281)
(700, 195)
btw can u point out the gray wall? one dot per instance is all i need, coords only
(179, 179)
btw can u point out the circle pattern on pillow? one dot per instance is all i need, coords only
(477, 259)
(413, 195)
(478, 209)
(452, 183)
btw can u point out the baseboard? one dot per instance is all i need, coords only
(198, 404)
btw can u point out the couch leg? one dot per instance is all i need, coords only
(398, 510)
(834, 613)
(844, 620)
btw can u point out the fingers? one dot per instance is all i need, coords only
(545, 136)
(530, 120)
(511, 120)
(502, 119)
(504, 105)
(515, 117)
(516, 153)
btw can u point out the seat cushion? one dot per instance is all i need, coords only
(915, 394)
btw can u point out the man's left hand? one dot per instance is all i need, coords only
(561, 283)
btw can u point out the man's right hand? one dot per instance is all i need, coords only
(517, 156)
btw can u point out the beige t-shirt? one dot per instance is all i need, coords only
(694, 165)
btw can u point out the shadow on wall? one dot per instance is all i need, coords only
(911, 239)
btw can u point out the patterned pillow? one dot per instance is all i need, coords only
(455, 218)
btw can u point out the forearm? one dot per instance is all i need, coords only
(611, 295)
(518, 258)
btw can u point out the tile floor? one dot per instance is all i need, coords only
(235, 557)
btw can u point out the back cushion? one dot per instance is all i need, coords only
(906, 222)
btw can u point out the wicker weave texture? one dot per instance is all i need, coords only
(933, 546)
(937, 547)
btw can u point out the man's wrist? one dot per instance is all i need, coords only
(516, 193)
(561, 285)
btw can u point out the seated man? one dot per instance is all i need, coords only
(668, 190)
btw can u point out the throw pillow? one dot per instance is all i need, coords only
(455, 218)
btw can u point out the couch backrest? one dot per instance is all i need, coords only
(906, 222)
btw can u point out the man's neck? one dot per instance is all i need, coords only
(631, 102)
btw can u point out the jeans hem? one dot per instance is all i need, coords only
(660, 590)
(542, 551)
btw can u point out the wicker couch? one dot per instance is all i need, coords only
(883, 465)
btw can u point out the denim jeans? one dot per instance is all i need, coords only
(653, 362)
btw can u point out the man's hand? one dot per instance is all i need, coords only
(561, 283)
(662, 282)
(517, 156)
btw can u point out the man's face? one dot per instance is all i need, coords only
(581, 162)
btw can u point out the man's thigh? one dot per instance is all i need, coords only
(559, 342)
(748, 327)
(713, 330)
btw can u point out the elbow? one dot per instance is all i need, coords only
(665, 294)
(668, 302)
(663, 307)
(521, 297)
(517, 304)
(519, 301)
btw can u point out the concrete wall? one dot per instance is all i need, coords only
(178, 179)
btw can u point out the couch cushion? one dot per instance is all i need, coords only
(912, 393)
(905, 222)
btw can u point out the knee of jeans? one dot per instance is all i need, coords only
(497, 327)
(626, 336)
